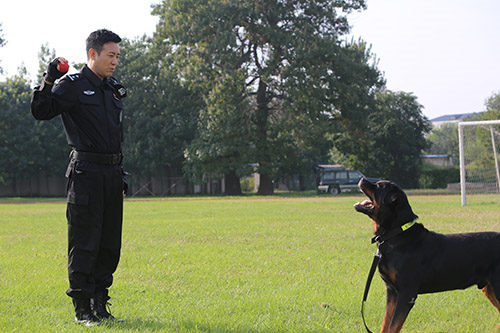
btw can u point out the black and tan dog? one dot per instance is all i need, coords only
(416, 261)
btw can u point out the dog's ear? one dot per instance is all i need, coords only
(403, 208)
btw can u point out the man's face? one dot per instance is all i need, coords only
(104, 63)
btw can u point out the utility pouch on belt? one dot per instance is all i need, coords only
(69, 169)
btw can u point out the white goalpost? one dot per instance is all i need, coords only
(479, 171)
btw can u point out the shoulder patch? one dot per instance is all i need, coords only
(74, 77)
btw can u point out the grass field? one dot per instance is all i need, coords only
(243, 264)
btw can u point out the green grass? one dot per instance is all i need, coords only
(237, 264)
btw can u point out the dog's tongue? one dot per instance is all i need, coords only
(364, 203)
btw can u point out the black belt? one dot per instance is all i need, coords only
(107, 159)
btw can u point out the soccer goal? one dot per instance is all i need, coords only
(478, 145)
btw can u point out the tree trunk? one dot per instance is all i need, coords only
(266, 185)
(262, 144)
(233, 186)
(302, 182)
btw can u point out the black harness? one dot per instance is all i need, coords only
(376, 259)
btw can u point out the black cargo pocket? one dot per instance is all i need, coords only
(80, 199)
(90, 103)
(92, 99)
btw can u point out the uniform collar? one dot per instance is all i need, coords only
(92, 77)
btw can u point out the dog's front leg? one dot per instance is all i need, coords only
(390, 307)
(404, 304)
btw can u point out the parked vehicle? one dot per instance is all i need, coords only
(335, 179)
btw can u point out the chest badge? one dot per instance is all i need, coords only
(88, 92)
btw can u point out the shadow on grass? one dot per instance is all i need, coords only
(137, 324)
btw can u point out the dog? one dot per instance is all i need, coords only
(417, 261)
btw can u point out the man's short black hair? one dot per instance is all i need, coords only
(100, 37)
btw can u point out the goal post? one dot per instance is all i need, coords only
(481, 174)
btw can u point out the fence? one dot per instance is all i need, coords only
(54, 186)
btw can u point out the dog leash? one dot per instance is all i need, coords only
(376, 259)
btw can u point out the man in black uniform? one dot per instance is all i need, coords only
(91, 110)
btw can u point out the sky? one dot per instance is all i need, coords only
(64, 26)
(445, 52)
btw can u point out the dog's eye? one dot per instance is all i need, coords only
(394, 197)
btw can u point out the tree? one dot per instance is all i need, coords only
(2, 39)
(444, 140)
(14, 123)
(291, 56)
(159, 114)
(398, 129)
(2, 43)
(390, 145)
(45, 56)
(51, 142)
(493, 102)
(27, 147)
(222, 144)
(478, 138)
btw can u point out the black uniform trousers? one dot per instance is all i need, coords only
(94, 213)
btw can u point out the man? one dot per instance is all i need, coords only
(91, 111)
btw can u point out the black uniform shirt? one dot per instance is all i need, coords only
(90, 110)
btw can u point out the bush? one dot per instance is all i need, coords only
(247, 184)
(432, 176)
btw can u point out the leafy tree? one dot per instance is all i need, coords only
(399, 127)
(222, 145)
(45, 56)
(2, 43)
(478, 138)
(292, 60)
(26, 146)
(50, 135)
(2, 39)
(359, 85)
(14, 123)
(444, 140)
(393, 141)
(159, 114)
(493, 103)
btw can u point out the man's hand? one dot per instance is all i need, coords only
(57, 68)
(125, 186)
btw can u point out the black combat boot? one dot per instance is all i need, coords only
(84, 314)
(100, 306)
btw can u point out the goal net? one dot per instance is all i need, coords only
(479, 145)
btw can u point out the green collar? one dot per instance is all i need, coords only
(408, 225)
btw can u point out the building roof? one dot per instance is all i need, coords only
(451, 117)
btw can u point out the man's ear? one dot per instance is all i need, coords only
(92, 54)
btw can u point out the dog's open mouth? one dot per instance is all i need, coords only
(364, 207)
